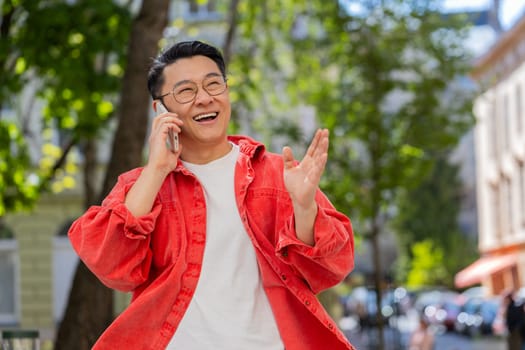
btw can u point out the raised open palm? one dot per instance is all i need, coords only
(301, 180)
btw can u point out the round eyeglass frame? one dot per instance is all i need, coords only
(172, 92)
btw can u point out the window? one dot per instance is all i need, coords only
(506, 123)
(496, 211)
(9, 303)
(493, 130)
(509, 227)
(196, 9)
(502, 209)
(519, 109)
(521, 192)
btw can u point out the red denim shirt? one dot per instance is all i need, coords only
(158, 256)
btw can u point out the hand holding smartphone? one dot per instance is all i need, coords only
(173, 137)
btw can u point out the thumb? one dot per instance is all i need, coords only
(289, 161)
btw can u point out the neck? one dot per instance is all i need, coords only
(204, 154)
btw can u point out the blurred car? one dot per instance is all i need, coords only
(440, 308)
(475, 292)
(488, 311)
(478, 316)
(362, 304)
(433, 297)
(469, 320)
(444, 314)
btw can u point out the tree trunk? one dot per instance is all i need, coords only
(90, 173)
(129, 139)
(233, 16)
(89, 312)
(90, 306)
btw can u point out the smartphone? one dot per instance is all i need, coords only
(173, 137)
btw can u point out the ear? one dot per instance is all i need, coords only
(155, 105)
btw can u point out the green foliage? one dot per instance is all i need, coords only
(390, 110)
(379, 78)
(12, 65)
(263, 67)
(17, 191)
(438, 203)
(430, 211)
(74, 53)
(427, 265)
(80, 59)
(387, 78)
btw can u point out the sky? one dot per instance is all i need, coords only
(510, 9)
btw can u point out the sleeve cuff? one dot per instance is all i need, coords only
(138, 227)
(322, 232)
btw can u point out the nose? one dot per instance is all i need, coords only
(202, 97)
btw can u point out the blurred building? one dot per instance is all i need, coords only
(486, 29)
(500, 165)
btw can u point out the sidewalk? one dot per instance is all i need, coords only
(489, 343)
(368, 340)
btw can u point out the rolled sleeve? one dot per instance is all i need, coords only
(329, 260)
(113, 243)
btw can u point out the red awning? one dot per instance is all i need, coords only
(482, 268)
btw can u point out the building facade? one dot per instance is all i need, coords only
(500, 166)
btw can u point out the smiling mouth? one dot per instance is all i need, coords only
(205, 117)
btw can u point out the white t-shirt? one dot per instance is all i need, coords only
(229, 309)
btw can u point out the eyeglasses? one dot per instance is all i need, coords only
(186, 91)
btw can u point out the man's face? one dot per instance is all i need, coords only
(205, 118)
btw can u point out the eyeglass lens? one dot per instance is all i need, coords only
(186, 92)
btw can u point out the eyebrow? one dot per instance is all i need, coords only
(213, 74)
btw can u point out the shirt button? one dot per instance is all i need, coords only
(307, 303)
(283, 276)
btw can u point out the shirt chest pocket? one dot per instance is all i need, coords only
(169, 237)
(269, 209)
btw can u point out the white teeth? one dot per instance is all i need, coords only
(204, 116)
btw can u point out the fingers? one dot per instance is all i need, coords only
(317, 155)
(319, 145)
(167, 121)
(320, 165)
(159, 142)
(315, 159)
(161, 126)
(317, 150)
(289, 160)
(313, 145)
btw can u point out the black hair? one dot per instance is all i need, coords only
(183, 49)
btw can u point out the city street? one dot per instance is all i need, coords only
(447, 341)
(396, 338)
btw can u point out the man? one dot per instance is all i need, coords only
(223, 244)
(514, 320)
